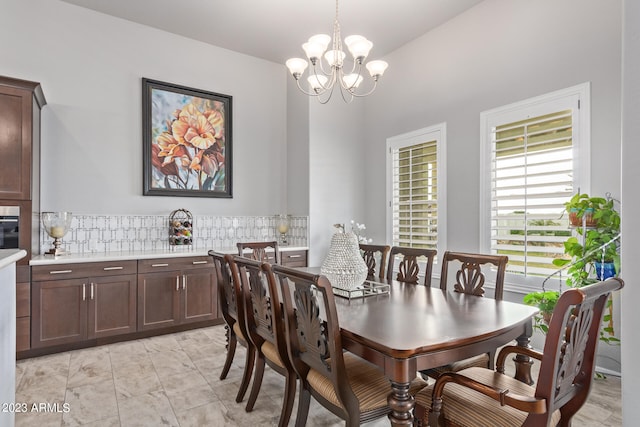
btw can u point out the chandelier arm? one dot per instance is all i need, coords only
(351, 88)
(330, 81)
(351, 95)
(321, 68)
(328, 97)
(305, 92)
(359, 95)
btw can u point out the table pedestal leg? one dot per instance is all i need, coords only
(523, 363)
(401, 404)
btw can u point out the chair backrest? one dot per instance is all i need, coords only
(375, 256)
(313, 332)
(265, 321)
(229, 289)
(260, 251)
(408, 267)
(567, 367)
(469, 276)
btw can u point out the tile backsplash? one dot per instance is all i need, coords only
(107, 233)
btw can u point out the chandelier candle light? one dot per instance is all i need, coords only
(323, 82)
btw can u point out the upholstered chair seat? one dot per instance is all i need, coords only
(464, 404)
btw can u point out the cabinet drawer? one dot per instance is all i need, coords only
(294, 258)
(23, 299)
(76, 271)
(177, 263)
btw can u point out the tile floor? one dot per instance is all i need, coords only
(172, 380)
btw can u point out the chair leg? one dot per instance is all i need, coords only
(231, 351)
(304, 399)
(257, 382)
(248, 370)
(289, 398)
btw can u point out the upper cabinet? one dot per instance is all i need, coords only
(20, 105)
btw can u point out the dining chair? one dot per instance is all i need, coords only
(233, 312)
(375, 256)
(265, 325)
(348, 386)
(483, 397)
(470, 279)
(260, 251)
(408, 264)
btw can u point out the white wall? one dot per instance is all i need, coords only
(630, 209)
(297, 150)
(90, 66)
(336, 170)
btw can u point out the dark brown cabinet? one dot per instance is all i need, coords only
(174, 291)
(76, 302)
(20, 105)
(296, 258)
(23, 308)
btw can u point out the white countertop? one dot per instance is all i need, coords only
(8, 256)
(180, 251)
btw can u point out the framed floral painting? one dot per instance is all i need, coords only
(186, 141)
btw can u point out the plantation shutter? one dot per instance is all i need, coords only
(531, 178)
(415, 195)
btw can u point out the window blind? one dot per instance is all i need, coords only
(415, 195)
(531, 178)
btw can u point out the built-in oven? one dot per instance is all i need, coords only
(9, 227)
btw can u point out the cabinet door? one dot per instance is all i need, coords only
(112, 305)
(15, 143)
(199, 298)
(59, 312)
(159, 299)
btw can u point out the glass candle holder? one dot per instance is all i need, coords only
(56, 224)
(283, 223)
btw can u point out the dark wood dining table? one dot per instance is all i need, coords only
(414, 327)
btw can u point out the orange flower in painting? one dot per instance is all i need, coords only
(196, 129)
(208, 161)
(169, 148)
(168, 169)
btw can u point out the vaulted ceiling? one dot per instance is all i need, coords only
(275, 29)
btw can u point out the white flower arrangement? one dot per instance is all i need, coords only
(356, 228)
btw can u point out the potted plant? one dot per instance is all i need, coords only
(546, 302)
(593, 245)
(592, 254)
(582, 206)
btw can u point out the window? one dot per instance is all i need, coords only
(416, 190)
(534, 158)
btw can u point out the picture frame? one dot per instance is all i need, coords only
(187, 141)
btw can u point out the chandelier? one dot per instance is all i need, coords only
(325, 75)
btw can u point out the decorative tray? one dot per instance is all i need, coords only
(367, 289)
